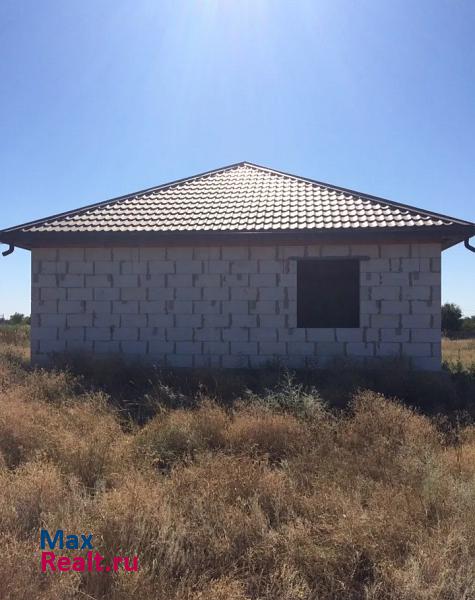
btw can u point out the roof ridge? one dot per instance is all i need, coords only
(370, 197)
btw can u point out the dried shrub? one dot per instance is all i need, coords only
(85, 439)
(173, 436)
(260, 431)
(275, 498)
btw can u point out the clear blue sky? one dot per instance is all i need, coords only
(103, 98)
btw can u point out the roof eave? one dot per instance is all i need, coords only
(447, 235)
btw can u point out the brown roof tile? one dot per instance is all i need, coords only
(240, 198)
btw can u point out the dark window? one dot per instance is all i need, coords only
(328, 293)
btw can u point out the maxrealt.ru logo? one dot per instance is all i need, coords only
(92, 561)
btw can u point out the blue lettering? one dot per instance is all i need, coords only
(72, 542)
(46, 539)
(86, 541)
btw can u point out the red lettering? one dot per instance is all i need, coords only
(64, 563)
(47, 559)
(79, 564)
(135, 564)
(97, 560)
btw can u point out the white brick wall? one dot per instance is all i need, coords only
(230, 306)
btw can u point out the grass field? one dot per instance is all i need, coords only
(271, 497)
(459, 351)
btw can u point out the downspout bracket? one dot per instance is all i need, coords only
(467, 245)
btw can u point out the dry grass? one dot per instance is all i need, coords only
(274, 498)
(18, 335)
(459, 352)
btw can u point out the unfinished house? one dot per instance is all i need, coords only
(239, 267)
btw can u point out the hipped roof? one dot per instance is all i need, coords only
(241, 201)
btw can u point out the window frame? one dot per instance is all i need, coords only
(303, 319)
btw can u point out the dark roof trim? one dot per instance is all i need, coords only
(446, 235)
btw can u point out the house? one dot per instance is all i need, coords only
(237, 267)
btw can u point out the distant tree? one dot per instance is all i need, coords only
(17, 318)
(468, 324)
(451, 317)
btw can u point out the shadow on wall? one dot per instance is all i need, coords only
(139, 388)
